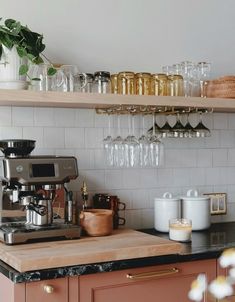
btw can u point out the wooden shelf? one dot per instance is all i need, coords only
(23, 98)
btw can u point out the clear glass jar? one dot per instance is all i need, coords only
(102, 82)
(89, 82)
(143, 83)
(159, 84)
(126, 82)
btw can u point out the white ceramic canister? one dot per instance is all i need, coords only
(197, 209)
(165, 208)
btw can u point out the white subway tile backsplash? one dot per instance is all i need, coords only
(204, 157)
(64, 117)
(54, 137)
(74, 138)
(86, 158)
(94, 137)
(5, 116)
(207, 164)
(34, 133)
(113, 179)
(11, 133)
(131, 178)
(84, 118)
(180, 158)
(220, 121)
(44, 117)
(227, 138)
(213, 141)
(220, 157)
(22, 116)
(231, 121)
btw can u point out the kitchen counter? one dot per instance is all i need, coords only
(138, 250)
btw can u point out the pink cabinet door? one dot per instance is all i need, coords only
(55, 290)
(11, 292)
(168, 283)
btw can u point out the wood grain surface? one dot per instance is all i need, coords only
(122, 244)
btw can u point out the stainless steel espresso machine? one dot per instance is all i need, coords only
(29, 186)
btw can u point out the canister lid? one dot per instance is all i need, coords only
(167, 196)
(194, 195)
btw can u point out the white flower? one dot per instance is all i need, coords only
(198, 288)
(220, 288)
(227, 258)
(232, 273)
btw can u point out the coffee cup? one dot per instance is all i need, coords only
(97, 222)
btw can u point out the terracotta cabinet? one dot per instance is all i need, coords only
(169, 283)
(54, 290)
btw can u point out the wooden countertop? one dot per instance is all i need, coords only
(122, 244)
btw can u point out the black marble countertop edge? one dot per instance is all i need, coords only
(208, 244)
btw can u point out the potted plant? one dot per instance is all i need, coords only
(18, 46)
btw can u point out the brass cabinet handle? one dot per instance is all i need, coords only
(160, 273)
(49, 289)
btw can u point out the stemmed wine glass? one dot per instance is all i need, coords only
(201, 130)
(155, 148)
(131, 144)
(118, 147)
(108, 145)
(143, 146)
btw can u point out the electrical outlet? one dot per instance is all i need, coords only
(218, 203)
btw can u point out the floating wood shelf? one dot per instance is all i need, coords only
(26, 98)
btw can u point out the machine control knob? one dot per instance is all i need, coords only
(19, 168)
(49, 289)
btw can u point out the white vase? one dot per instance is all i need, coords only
(9, 65)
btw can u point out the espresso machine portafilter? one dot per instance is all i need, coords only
(29, 186)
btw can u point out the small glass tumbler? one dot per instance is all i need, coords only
(126, 82)
(180, 229)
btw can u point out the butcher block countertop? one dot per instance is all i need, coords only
(122, 244)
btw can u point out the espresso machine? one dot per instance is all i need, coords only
(29, 192)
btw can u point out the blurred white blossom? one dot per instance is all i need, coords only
(227, 258)
(220, 287)
(198, 288)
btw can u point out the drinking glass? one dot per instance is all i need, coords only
(201, 130)
(108, 145)
(155, 148)
(118, 147)
(131, 145)
(38, 74)
(143, 146)
(178, 129)
(186, 68)
(76, 81)
(204, 69)
(58, 81)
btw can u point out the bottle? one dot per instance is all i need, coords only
(102, 82)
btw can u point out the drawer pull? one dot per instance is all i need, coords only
(160, 273)
(49, 289)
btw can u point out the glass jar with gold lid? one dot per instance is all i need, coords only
(175, 85)
(143, 83)
(126, 82)
(159, 84)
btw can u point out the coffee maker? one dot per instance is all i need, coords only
(29, 187)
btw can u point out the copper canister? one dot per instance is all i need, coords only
(114, 83)
(159, 84)
(126, 82)
(175, 85)
(143, 83)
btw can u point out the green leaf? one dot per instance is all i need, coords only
(6, 40)
(51, 71)
(23, 69)
(1, 50)
(21, 51)
(10, 23)
(35, 79)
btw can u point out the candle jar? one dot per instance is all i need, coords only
(180, 229)
(159, 83)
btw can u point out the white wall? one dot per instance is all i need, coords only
(139, 35)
